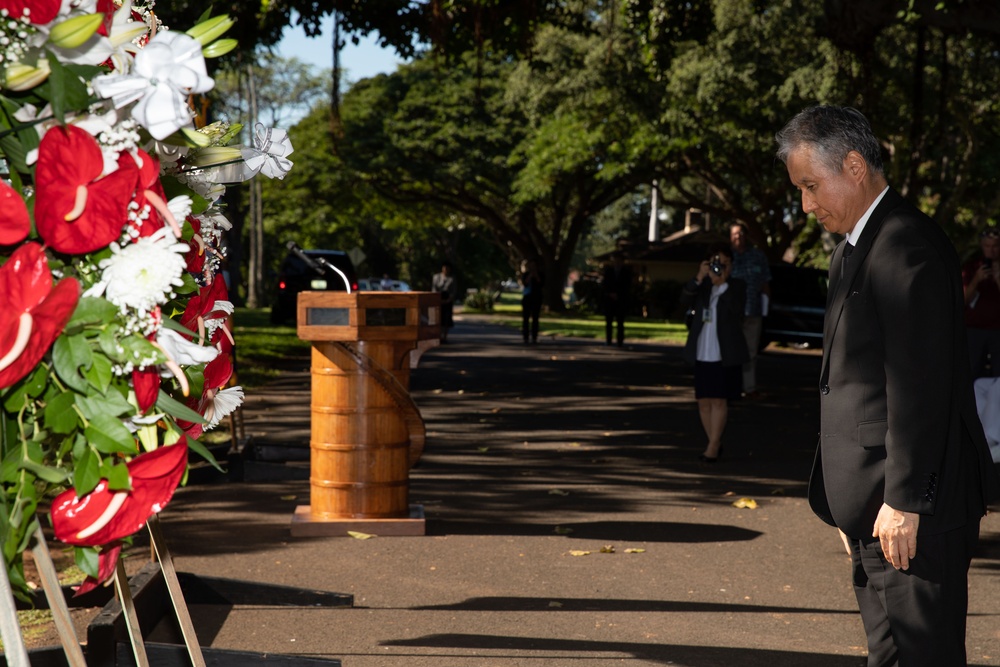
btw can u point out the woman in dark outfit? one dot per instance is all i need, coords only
(531, 299)
(716, 345)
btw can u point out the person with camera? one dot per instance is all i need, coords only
(716, 345)
(981, 282)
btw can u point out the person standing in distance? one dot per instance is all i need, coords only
(616, 286)
(902, 468)
(981, 279)
(750, 265)
(444, 283)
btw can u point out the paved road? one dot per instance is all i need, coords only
(534, 454)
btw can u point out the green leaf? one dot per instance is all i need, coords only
(92, 310)
(100, 375)
(36, 381)
(165, 403)
(51, 475)
(202, 451)
(107, 340)
(66, 90)
(179, 328)
(87, 560)
(69, 354)
(60, 415)
(109, 436)
(112, 404)
(14, 152)
(118, 479)
(86, 472)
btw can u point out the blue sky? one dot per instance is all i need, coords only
(359, 62)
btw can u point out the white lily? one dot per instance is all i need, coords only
(183, 351)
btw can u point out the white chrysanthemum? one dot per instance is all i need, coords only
(221, 404)
(143, 274)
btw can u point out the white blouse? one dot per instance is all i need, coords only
(708, 339)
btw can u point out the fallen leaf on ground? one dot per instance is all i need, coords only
(482, 449)
(635, 551)
(359, 536)
(558, 492)
(608, 549)
(555, 604)
(562, 530)
(496, 410)
(291, 497)
(579, 553)
(747, 503)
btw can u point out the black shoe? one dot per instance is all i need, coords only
(708, 459)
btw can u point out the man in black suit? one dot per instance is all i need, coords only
(617, 287)
(902, 469)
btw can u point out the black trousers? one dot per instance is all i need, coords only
(615, 313)
(916, 617)
(531, 311)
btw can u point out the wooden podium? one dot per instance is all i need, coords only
(366, 431)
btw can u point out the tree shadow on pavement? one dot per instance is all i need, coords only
(667, 654)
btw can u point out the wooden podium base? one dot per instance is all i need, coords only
(305, 525)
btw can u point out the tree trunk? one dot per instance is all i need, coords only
(254, 221)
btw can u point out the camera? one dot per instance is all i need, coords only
(716, 266)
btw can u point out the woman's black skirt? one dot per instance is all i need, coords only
(713, 380)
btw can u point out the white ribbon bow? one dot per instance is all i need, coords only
(166, 71)
(268, 154)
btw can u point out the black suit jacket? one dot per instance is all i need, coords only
(898, 413)
(729, 310)
(618, 283)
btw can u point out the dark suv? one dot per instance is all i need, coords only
(798, 306)
(296, 275)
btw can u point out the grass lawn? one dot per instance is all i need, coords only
(575, 325)
(262, 348)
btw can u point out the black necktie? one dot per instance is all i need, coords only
(844, 256)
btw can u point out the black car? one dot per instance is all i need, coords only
(798, 306)
(297, 275)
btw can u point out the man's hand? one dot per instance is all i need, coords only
(897, 532)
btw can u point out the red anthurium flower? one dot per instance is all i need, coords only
(32, 313)
(217, 372)
(41, 11)
(14, 222)
(147, 387)
(104, 516)
(202, 306)
(150, 193)
(195, 258)
(77, 211)
(106, 562)
(106, 7)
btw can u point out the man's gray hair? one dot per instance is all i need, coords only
(833, 132)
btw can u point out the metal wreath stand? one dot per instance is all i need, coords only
(10, 632)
